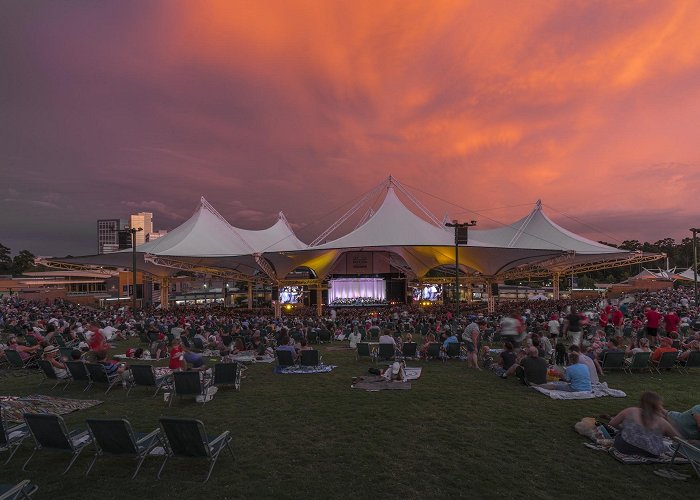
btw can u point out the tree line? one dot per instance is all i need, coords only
(17, 265)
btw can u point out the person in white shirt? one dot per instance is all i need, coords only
(554, 327)
(387, 338)
(355, 337)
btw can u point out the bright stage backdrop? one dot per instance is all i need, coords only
(351, 288)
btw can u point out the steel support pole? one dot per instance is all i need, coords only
(319, 301)
(695, 264)
(250, 295)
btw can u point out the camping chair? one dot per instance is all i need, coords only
(50, 433)
(386, 352)
(115, 437)
(227, 374)
(639, 361)
(409, 350)
(30, 340)
(613, 361)
(312, 336)
(188, 384)
(50, 374)
(454, 349)
(363, 351)
(16, 361)
(434, 351)
(324, 336)
(145, 375)
(284, 358)
(310, 358)
(188, 438)
(693, 361)
(689, 451)
(666, 362)
(98, 375)
(11, 437)
(79, 372)
(66, 353)
(23, 489)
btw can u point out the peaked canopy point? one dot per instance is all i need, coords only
(208, 241)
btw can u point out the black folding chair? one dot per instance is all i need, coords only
(613, 361)
(409, 350)
(99, 375)
(50, 433)
(434, 351)
(23, 489)
(386, 352)
(145, 375)
(11, 437)
(66, 353)
(188, 438)
(50, 374)
(692, 361)
(227, 374)
(79, 373)
(16, 361)
(364, 351)
(284, 358)
(666, 361)
(115, 437)
(188, 384)
(453, 350)
(310, 358)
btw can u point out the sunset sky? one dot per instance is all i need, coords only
(113, 107)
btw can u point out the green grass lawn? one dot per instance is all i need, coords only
(456, 433)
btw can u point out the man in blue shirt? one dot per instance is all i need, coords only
(452, 339)
(576, 375)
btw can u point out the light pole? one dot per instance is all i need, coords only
(133, 231)
(695, 230)
(461, 237)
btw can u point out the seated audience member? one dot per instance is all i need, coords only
(506, 359)
(576, 377)
(111, 367)
(592, 364)
(284, 345)
(665, 347)
(643, 347)
(693, 346)
(532, 369)
(25, 352)
(395, 372)
(451, 339)
(51, 355)
(687, 423)
(642, 427)
(613, 345)
(304, 345)
(387, 337)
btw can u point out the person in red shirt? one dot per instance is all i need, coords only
(665, 347)
(618, 319)
(97, 341)
(671, 322)
(653, 319)
(177, 353)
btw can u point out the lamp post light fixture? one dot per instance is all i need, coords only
(461, 237)
(695, 231)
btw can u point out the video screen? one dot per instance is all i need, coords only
(291, 294)
(432, 293)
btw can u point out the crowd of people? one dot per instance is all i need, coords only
(555, 344)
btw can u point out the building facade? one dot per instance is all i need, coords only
(109, 237)
(143, 220)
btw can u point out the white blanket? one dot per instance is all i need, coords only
(413, 373)
(599, 390)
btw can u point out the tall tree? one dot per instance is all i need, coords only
(5, 259)
(23, 262)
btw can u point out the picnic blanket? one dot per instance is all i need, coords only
(665, 457)
(295, 370)
(14, 406)
(599, 390)
(413, 373)
(251, 358)
(375, 383)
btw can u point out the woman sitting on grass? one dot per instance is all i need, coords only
(643, 427)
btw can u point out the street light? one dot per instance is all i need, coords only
(695, 230)
(133, 231)
(461, 237)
